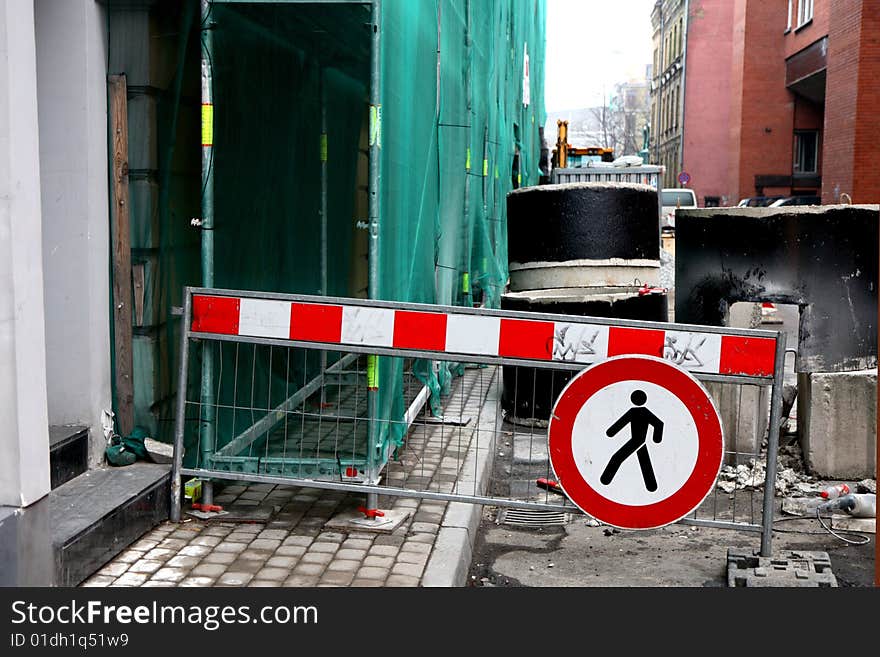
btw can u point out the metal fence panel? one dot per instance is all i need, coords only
(291, 405)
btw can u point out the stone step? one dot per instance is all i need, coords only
(68, 453)
(94, 516)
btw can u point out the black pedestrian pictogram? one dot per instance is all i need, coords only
(639, 419)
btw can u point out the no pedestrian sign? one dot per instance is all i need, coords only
(635, 442)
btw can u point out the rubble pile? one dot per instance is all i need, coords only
(791, 477)
(867, 486)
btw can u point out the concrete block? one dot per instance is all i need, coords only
(789, 568)
(847, 523)
(837, 421)
(745, 415)
(530, 448)
(26, 555)
(450, 559)
(821, 258)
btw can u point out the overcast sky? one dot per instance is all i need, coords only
(591, 46)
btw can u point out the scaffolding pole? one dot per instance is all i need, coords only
(324, 154)
(374, 180)
(207, 414)
(466, 268)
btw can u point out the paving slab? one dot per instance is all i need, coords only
(299, 537)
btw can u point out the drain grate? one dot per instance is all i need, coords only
(533, 517)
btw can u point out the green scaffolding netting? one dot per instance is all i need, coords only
(461, 89)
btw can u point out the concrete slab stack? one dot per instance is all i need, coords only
(824, 259)
(589, 249)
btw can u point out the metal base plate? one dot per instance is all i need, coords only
(235, 514)
(452, 421)
(355, 521)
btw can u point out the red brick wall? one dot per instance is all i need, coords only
(707, 98)
(765, 130)
(852, 98)
(866, 176)
(737, 57)
(797, 40)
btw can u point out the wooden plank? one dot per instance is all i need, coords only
(121, 254)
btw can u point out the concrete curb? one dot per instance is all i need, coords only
(451, 557)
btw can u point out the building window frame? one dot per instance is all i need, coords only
(805, 159)
(805, 12)
(790, 12)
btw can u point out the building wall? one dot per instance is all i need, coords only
(24, 434)
(866, 181)
(708, 98)
(852, 122)
(761, 128)
(71, 85)
(737, 59)
(798, 38)
(668, 21)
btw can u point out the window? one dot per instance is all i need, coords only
(806, 151)
(805, 11)
(675, 108)
(788, 24)
(683, 198)
(679, 36)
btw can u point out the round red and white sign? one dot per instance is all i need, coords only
(635, 442)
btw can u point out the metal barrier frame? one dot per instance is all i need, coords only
(188, 334)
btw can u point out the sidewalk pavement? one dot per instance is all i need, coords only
(292, 545)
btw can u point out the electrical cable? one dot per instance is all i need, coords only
(867, 539)
(864, 538)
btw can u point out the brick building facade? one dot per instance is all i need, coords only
(780, 98)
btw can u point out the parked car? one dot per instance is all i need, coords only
(672, 198)
(758, 201)
(797, 200)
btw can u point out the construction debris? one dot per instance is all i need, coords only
(801, 506)
(791, 477)
(751, 476)
(867, 486)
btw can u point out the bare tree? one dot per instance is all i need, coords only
(611, 124)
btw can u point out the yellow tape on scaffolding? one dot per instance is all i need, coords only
(372, 372)
(207, 124)
(376, 126)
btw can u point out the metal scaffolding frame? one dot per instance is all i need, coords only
(208, 421)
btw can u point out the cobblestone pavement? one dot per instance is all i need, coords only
(291, 544)
(291, 549)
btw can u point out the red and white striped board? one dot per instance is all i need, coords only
(491, 334)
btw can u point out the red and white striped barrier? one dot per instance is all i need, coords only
(478, 335)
